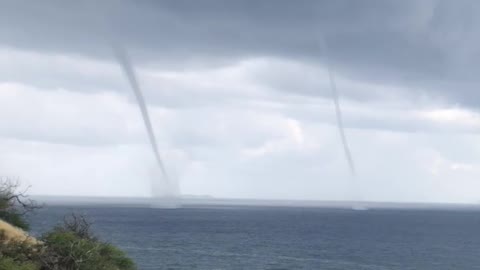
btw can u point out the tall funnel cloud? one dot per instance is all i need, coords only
(338, 111)
(164, 188)
(125, 63)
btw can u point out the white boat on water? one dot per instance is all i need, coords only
(359, 208)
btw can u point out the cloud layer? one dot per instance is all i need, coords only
(240, 100)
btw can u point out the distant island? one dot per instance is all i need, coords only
(207, 200)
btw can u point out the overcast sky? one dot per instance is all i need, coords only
(239, 98)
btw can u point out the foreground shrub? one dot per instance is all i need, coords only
(11, 264)
(72, 246)
(14, 204)
(18, 254)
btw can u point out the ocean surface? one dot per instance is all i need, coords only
(284, 238)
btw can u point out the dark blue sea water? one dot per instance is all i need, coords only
(285, 238)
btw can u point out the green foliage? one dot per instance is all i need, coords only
(14, 205)
(10, 264)
(17, 255)
(19, 251)
(66, 250)
(116, 257)
(14, 218)
(67, 247)
(72, 246)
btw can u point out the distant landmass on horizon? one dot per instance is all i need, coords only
(207, 200)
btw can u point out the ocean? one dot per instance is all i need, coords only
(209, 238)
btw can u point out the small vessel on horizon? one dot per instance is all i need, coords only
(359, 207)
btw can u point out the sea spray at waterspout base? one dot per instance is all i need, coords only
(163, 196)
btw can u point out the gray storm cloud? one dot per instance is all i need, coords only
(428, 45)
(399, 66)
